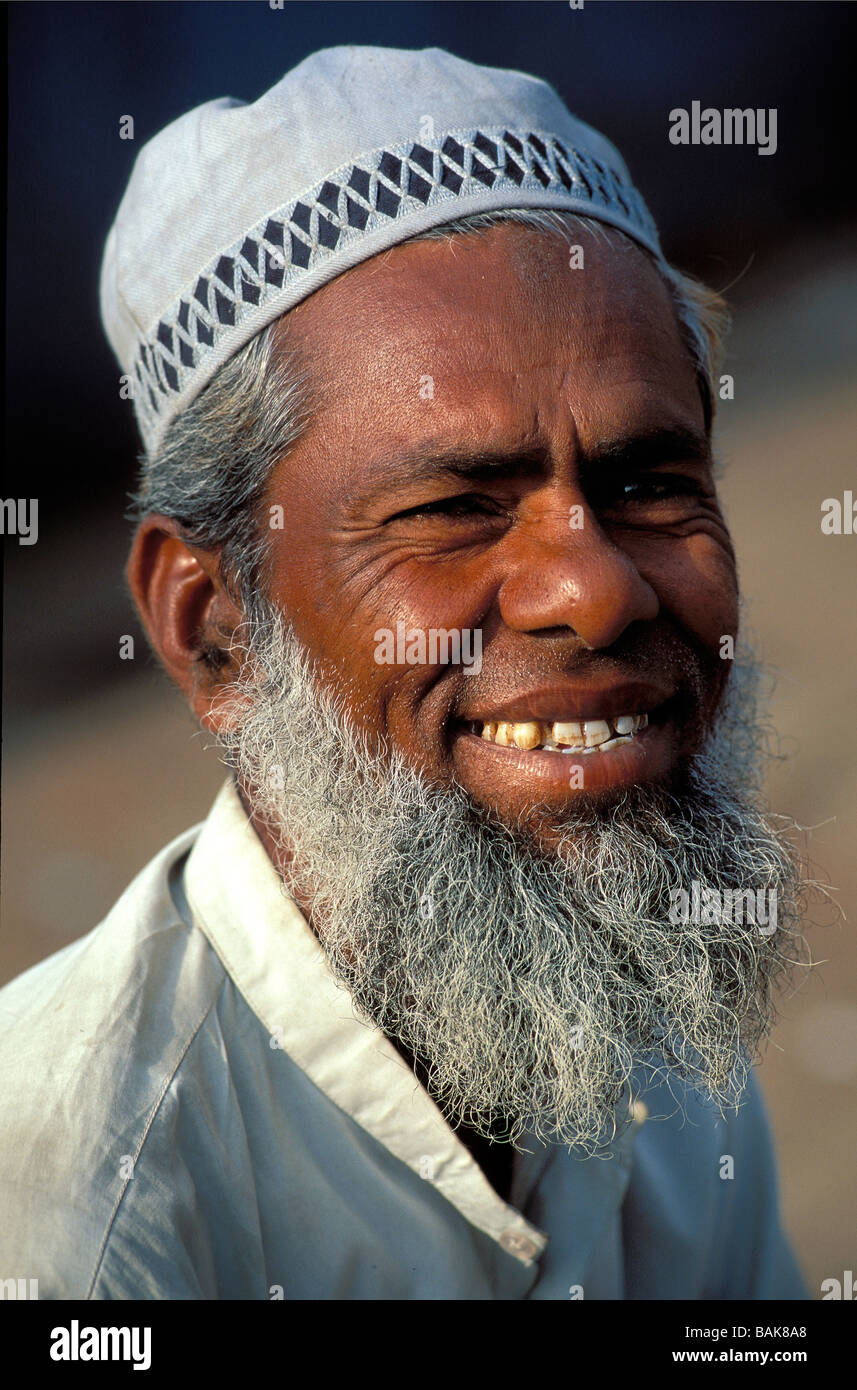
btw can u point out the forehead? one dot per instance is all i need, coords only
(493, 339)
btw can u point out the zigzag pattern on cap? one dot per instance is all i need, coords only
(347, 205)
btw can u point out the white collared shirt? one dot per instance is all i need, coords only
(189, 1108)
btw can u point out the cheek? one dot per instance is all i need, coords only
(697, 585)
(367, 656)
(412, 696)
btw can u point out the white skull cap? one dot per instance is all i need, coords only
(235, 212)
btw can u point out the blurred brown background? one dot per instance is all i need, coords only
(102, 762)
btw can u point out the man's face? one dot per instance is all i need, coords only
(507, 444)
(528, 956)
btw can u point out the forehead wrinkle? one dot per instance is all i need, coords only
(372, 296)
(484, 367)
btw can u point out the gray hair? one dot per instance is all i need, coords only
(212, 468)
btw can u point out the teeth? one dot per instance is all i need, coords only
(595, 732)
(571, 734)
(615, 742)
(563, 735)
(526, 736)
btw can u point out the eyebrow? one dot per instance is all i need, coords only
(425, 463)
(674, 444)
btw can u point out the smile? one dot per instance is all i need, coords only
(548, 743)
(560, 735)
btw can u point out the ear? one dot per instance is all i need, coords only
(186, 610)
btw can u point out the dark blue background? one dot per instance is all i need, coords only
(76, 68)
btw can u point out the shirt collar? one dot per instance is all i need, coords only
(272, 954)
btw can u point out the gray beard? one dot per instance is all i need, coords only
(528, 984)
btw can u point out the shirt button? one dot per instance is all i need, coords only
(517, 1244)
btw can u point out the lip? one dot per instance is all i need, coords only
(574, 701)
(547, 776)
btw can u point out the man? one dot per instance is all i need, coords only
(455, 993)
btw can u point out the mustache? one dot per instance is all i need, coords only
(661, 658)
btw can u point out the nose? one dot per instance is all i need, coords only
(573, 577)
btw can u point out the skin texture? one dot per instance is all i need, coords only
(561, 373)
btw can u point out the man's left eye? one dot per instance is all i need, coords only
(654, 487)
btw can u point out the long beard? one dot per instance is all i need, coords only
(527, 983)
